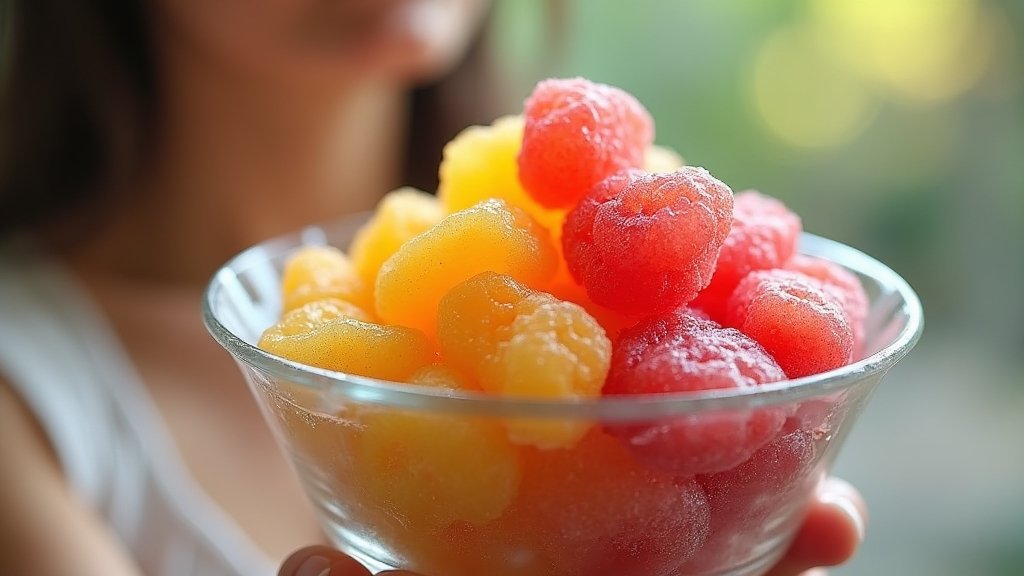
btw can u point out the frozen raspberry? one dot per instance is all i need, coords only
(647, 243)
(843, 285)
(748, 501)
(764, 234)
(594, 510)
(800, 324)
(578, 133)
(677, 352)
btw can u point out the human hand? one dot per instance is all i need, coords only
(830, 534)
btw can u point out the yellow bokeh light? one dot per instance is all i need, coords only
(803, 96)
(924, 50)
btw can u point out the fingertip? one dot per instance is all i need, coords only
(321, 561)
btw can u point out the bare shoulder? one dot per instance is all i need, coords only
(44, 527)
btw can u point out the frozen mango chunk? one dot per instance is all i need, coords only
(399, 216)
(430, 470)
(519, 342)
(317, 272)
(321, 334)
(490, 236)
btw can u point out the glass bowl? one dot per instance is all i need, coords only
(426, 479)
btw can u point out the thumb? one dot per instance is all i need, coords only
(321, 561)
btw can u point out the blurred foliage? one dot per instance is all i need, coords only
(895, 126)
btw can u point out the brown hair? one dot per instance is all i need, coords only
(79, 94)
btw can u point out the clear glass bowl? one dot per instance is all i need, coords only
(424, 479)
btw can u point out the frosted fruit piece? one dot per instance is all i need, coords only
(647, 243)
(677, 352)
(519, 342)
(429, 470)
(594, 510)
(748, 502)
(843, 285)
(578, 133)
(312, 315)
(320, 335)
(400, 215)
(490, 236)
(317, 272)
(764, 235)
(800, 324)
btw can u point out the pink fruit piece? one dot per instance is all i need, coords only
(647, 243)
(843, 285)
(749, 502)
(677, 352)
(764, 235)
(800, 324)
(578, 133)
(596, 511)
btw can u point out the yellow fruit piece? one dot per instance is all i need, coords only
(313, 314)
(318, 272)
(399, 216)
(662, 159)
(480, 163)
(490, 236)
(344, 344)
(430, 470)
(518, 342)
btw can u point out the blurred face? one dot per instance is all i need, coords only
(319, 42)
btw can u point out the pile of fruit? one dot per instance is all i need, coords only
(565, 256)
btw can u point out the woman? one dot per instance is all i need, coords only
(142, 145)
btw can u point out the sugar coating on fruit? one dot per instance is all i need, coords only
(321, 335)
(430, 470)
(647, 243)
(399, 216)
(764, 235)
(490, 236)
(662, 159)
(677, 352)
(748, 503)
(310, 316)
(317, 272)
(578, 133)
(843, 285)
(594, 510)
(800, 324)
(519, 342)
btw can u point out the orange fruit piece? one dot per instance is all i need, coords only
(490, 236)
(523, 343)
(325, 334)
(399, 216)
(429, 470)
(318, 272)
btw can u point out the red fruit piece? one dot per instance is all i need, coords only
(800, 324)
(749, 502)
(764, 235)
(676, 352)
(594, 510)
(647, 243)
(843, 285)
(578, 133)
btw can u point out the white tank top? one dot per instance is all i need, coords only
(62, 356)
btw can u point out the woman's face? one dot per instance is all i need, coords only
(320, 42)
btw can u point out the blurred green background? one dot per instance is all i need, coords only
(895, 126)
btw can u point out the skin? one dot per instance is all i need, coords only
(274, 114)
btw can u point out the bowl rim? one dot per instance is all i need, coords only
(342, 387)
